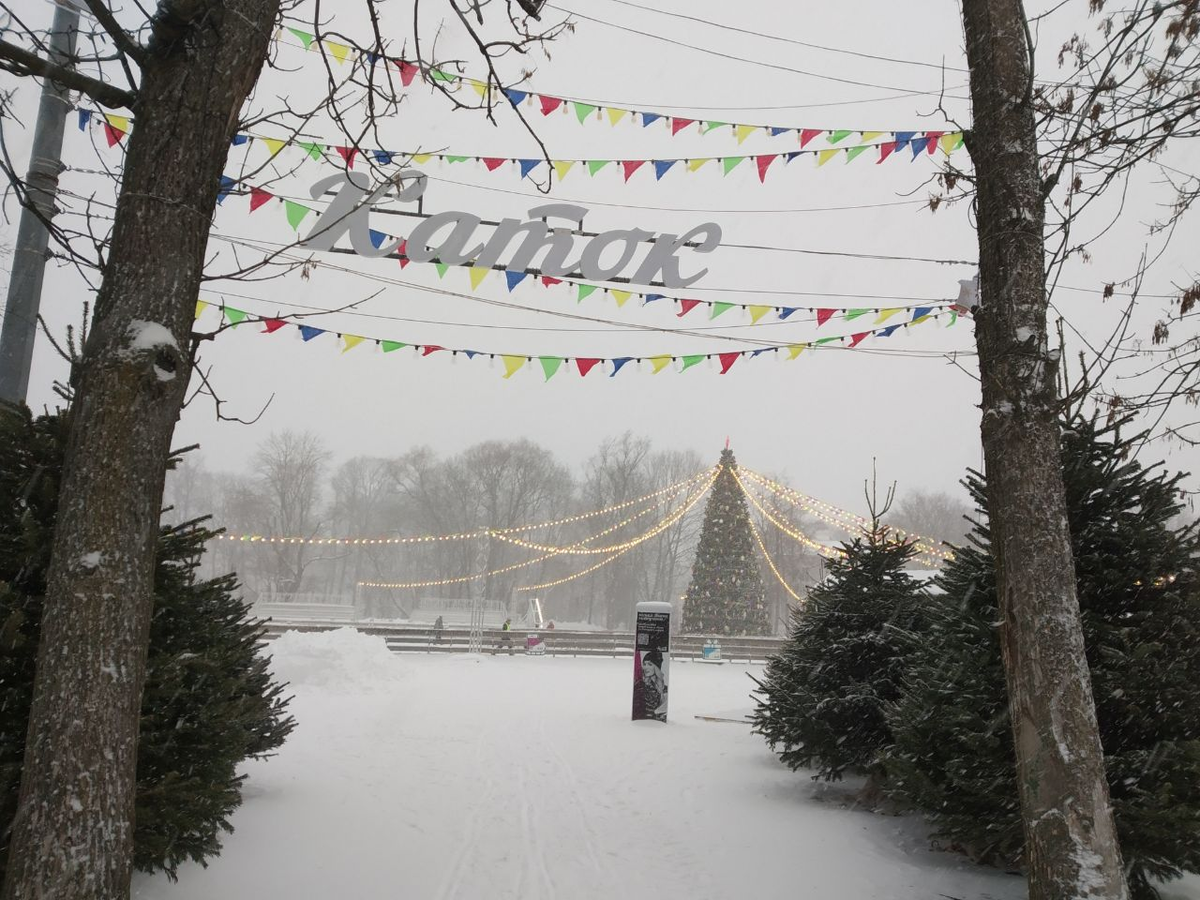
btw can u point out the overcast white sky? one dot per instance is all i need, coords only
(820, 419)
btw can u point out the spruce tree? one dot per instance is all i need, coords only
(209, 701)
(726, 594)
(1140, 605)
(822, 699)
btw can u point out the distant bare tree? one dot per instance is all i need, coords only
(291, 465)
(934, 514)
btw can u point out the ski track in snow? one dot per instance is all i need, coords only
(515, 778)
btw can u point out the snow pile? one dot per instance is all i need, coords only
(343, 660)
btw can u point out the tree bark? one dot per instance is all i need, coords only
(1071, 846)
(73, 832)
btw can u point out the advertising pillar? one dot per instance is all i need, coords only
(651, 660)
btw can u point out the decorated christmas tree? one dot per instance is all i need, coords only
(823, 699)
(1139, 601)
(726, 592)
(209, 701)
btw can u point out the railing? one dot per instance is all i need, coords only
(557, 642)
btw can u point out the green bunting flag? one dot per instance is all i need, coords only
(689, 361)
(709, 126)
(312, 149)
(550, 365)
(295, 213)
(442, 268)
(835, 136)
(583, 110)
(826, 340)
(595, 165)
(305, 38)
(730, 163)
(389, 346)
(235, 316)
(455, 159)
(852, 152)
(719, 308)
(855, 313)
(439, 75)
(585, 290)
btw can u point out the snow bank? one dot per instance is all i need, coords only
(343, 660)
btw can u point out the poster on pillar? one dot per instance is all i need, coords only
(651, 661)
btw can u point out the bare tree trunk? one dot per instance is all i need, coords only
(73, 832)
(1070, 841)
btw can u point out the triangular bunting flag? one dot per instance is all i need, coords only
(528, 165)
(661, 167)
(442, 268)
(112, 135)
(730, 163)
(649, 118)
(235, 316)
(512, 279)
(931, 139)
(807, 134)
(710, 126)
(650, 298)
(273, 145)
(856, 339)
(824, 156)
(562, 167)
(795, 350)
(583, 110)
(787, 311)
(744, 131)
(585, 365)
(85, 116)
(918, 146)
(389, 346)
(920, 314)
(632, 165)
(757, 312)
(478, 273)
(515, 97)
(870, 135)
(421, 158)
(402, 252)
(615, 115)
(585, 291)
(549, 104)
(689, 361)
(886, 332)
(694, 164)
(886, 149)
(902, 138)
(383, 157)
(305, 38)
(854, 314)
(550, 365)
(512, 364)
(312, 149)
(407, 72)
(439, 75)
(718, 308)
(270, 326)
(852, 152)
(885, 314)
(227, 184)
(258, 197)
(455, 159)
(949, 142)
(595, 165)
(677, 124)
(337, 51)
(827, 340)
(479, 87)
(352, 341)
(775, 132)
(429, 349)
(686, 306)
(727, 360)
(308, 332)
(621, 296)
(617, 363)
(295, 213)
(658, 363)
(824, 315)
(836, 136)
(493, 163)
(201, 306)
(547, 281)
(764, 163)
(377, 238)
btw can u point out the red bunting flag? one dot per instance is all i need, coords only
(272, 325)
(585, 365)
(824, 315)
(677, 125)
(550, 104)
(885, 150)
(258, 197)
(493, 163)
(348, 154)
(403, 251)
(113, 135)
(933, 137)
(631, 166)
(686, 306)
(856, 339)
(407, 72)
(727, 361)
(430, 348)
(807, 134)
(549, 282)
(764, 163)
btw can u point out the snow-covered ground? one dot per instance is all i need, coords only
(440, 777)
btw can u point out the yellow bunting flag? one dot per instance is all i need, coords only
(621, 296)
(825, 156)
(615, 115)
(694, 164)
(659, 363)
(757, 312)
(273, 145)
(512, 364)
(201, 306)
(421, 158)
(870, 135)
(337, 51)
(352, 341)
(950, 142)
(885, 314)
(562, 167)
(795, 350)
(478, 273)
(479, 87)
(744, 131)
(121, 123)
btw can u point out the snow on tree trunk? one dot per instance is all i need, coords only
(73, 832)
(1070, 839)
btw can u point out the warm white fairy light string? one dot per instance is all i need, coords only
(790, 530)
(770, 562)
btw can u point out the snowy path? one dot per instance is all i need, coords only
(460, 778)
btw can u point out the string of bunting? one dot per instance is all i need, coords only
(296, 213)
(115, 128)
(552, 365)
(580, 110)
